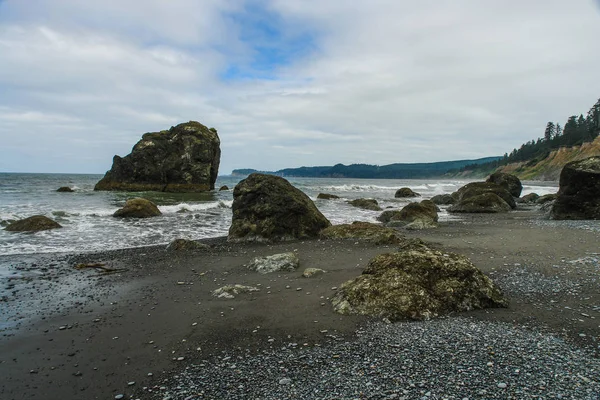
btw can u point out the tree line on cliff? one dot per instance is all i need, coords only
(576, 131)
(368, 171)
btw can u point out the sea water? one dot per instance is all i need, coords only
(88, 224)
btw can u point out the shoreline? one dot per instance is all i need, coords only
(118, 328)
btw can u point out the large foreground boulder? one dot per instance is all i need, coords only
(484, 203)
(137, 208)
(417, 284)
(34, 223)
(579, 191)
(184, 158)
(364, 231)
(508, 181)
(269, 208)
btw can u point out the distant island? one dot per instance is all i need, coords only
(367, 171)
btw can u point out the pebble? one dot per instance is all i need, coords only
(119, 396)
(395, 361)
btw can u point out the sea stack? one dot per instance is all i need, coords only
(184, 158)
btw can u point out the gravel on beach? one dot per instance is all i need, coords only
(452, 358)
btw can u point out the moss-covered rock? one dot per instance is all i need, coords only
(389, 215)
(275, 263)
(578, 195)
(186, 245)
(547, 198)
(477, 188)
(184, 158)
(327, 196)
(417, 284)
(488, 203)
(34, 223)
(366, 204)
(528, 198)
(443, 199)
(405, 192)
(364, 231)
(508, 181)
(224, 187)
(137, 208)
(421, 215)
(269, 208)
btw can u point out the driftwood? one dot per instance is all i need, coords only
(100, 266)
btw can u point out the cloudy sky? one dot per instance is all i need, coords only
(290, 82)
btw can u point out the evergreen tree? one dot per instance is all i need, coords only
(557, 130)
(549, 133)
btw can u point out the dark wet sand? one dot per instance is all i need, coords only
(119, 328)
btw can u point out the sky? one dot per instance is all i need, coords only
(290, 83)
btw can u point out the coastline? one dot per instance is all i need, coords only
(108, 331)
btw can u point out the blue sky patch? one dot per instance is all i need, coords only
(273, 43)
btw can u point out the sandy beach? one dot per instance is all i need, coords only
(77, 334)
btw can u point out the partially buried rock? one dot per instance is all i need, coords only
(579, 191)
(364, 231)
(488, 203)
(138, 208)
(508, 181)
(275, 263)
(34, 223)
(186, 245)
(224, 187)
(405, 192)
(269, 208)
(417, 284)
(230, 291)
(310, 272)
(184, 158)
(64, 189)
(327, 196)
(366, 204)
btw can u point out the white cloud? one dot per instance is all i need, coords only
(385, 81)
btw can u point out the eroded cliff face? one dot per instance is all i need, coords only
(549, 168)
(184, 158)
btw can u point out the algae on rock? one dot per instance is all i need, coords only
(184, 158)
(365, 231)
(417, 284)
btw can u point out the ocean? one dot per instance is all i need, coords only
(88, 225)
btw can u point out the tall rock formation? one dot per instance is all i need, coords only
(184, 158)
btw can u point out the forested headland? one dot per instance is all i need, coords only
(577, 131)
